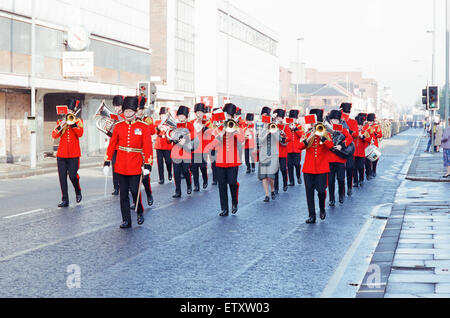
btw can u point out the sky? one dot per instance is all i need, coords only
(385, 39)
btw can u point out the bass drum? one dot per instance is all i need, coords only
(373, 153)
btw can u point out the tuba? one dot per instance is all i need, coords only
(103, 120)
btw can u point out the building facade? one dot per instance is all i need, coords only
(118, 36)
(237, 57)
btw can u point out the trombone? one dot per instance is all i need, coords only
(70, 120)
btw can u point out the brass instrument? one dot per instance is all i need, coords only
(70, 120)
(273, 128)
(231, 126)
(320, 130)
(103, 120)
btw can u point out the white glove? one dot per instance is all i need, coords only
(106, 171)
(145, 172)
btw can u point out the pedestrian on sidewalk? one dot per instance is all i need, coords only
(446, 147)
(439, 133)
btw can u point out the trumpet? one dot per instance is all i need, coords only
(231, 126)
(273, 128)
(320, 130)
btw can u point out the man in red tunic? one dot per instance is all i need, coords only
(249, 133)
(134, 157)
(182, 151)
(361, 143)
(294, 152)
(316, 167)
(286, 138)
(228, 162)
(377, 134)
(69, 153)
(337, 164)
(163, 147)
(352, 126)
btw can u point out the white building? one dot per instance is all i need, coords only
(236, 56)
(118, 34)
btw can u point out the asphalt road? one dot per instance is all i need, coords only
(185, 249)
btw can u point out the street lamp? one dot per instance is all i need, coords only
(298, 82)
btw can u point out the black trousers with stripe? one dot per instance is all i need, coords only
(70, 167)
(349, 169)
(163, 156)
(337, 171)
(115, 175)
(358, 172)
(315, 182)
(131, 183)
(284, 174)
(294, 161)
(180, 167)
(228, 177)
(199, 164)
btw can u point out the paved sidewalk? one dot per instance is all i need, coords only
(412, 259)
(427, 166)
(48, 165)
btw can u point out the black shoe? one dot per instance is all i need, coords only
(341, 200)
(374, 175)
(249, 171)
(64, 204)
(205, 185)
(161, 182)
(189, 190)
(176, 196)
(253, 170)
(116, 192)
(170, 179)
(274, 196)
(224, 213)
(332, 203)
(150, 200)
(234, 209)
(140, 219)
(299, 180)
(276, 192)
(356, 185)
(125, 225)
(292, 184)
(311, 221)
(285, 188)
(196, 189)
(350, 192)
(323, 214)
(214, 183)
(79, 198)
(361, 184)
(369, 178)
(267, 199)
(133, 207)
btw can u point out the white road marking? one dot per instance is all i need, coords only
(340, 271)
(25, 213)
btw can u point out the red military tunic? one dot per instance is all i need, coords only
(284, 150)
(377, 134)
(294, 146)
(204, 138)
(227, 150)
(162, 143)
(69, 144)
(347, 142)
(178, 152)
(361, 145)
(134, 147)
(317, 157)
(353, 125)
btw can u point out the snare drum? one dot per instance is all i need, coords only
(373, 153)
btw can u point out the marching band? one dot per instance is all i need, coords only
(337, 149)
